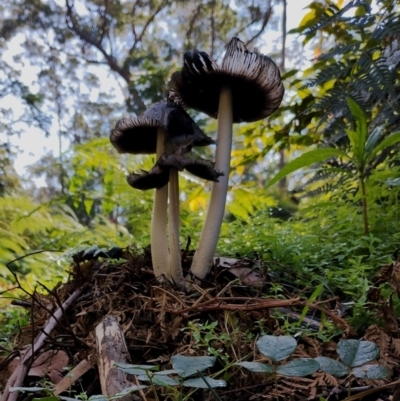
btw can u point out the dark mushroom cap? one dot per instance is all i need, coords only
(254, 80)
(157, 177)
(204, 169)
(195, 165)
(180, 126)
(139, 135)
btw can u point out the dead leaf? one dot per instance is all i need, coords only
(51, 364)
(248, 276)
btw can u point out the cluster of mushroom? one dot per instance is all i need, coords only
(246, 88)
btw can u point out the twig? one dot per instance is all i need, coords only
(32, 296)
(253, 387)
(263, 304)
(72, 376)
(59, 304)
(21, 302)
(169, 293)
(371, 391)
(17, 378)
(141, 392)
(266, 18)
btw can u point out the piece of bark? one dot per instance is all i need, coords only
(71, 377)
(111, 349)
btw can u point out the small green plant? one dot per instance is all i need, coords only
(363, 153)
(205, 334)
(355, 356)
(207, 337)
(278, 349)
(183, 367)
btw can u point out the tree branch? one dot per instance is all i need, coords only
(138, 38)
(265, 21)
(110, 59)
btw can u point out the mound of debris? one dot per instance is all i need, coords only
(113, 311)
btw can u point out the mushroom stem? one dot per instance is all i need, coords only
(175, 265)
(159, 244)
(204, 255)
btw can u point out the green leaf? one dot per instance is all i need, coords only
(189, 365)
(199, 382)
(356, 353)
(309, 19)
(372, 140)
(395, 182)
(305, 160)
(88, 205)
(371, 372)
(135, 369)
(362, 129)
(168, 372)
(257, 367)
(29, 389)
(389, 141)
(50, 398)
(298, 367)
(352, 135)
(238, 210)
(244, 198)
(159, 380)
(289, 74)
(100, 398)
(277, 348)
(312, 298)
(125, 391)
(334, 368)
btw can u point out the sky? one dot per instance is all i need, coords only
(32, 143)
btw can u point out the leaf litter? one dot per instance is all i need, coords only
(155, 321)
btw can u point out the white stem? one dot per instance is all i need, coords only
(204, 255)
(159, 244)
(175, 265)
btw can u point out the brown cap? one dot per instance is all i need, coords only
(254, 80)
(157, 177)
(138, 135)
(194, 164)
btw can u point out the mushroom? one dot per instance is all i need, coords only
(247, 87)
(169, 131)
(146, 135)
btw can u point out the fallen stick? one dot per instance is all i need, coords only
(72, 376)
(111, 349)
(261, 304)
(218, 303)
(18, 376)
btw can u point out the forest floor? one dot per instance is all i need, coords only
(224, 318)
